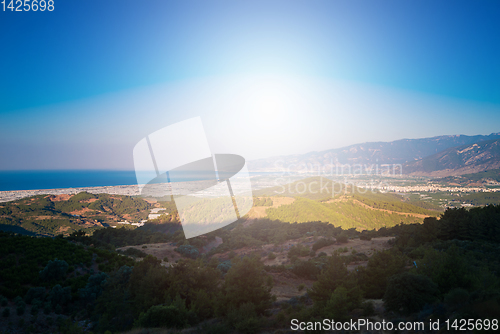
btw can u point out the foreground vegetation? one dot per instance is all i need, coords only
(76, 281)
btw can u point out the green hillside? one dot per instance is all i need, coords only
(47, 215)
(346, 214)
(315, 188)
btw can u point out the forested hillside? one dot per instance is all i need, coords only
(443, 268)
(48, 215)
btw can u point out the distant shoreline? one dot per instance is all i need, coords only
(12, 195)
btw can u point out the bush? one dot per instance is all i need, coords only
(407, 293)
(60, 295)
(342, 238)
(47, 308)
(341, 302)
(35, 309)
(92, 290)
(322, 243)
(271, 256)
(134, 252)
(163, 316)
(188, 251)
(457, 297)
(368, 308)
(246, 283)
(20, 309)
(244, 319)
(34, 293)
(54, 270)
(298, 250)
(4, 301)
(6, 312)
(165, 259)
(224, 266)
(305, 269)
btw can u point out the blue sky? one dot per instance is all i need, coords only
(81, 85)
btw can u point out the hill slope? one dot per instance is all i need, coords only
(348, 207)
(465, 159)
(48, 215)
(487, 178)
(395, 152)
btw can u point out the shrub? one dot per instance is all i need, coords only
(301, 287)
(34, 293)
(305, 269)
(188, 251)
(244, 319)
(20, 309)
(408, 293)
(245, 283)
(92, 290)
(271, 256)
(457, 297)
(224, 266)
(322, 243)
(47, 308)
(134, 252)
(368, 308)
(165, 259)
(60, 295)
(298, 250)
(163, 316)
(342, 238)
(341, 302)
(6, 312)
(54, 270)
(35, 309)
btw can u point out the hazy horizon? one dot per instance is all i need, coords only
(267, 78)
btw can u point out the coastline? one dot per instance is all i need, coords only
(12, 195)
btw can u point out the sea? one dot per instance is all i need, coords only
(57, 179)
(60, 179)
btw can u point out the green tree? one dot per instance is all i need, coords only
(407, 293)
(244, 283)
(333, 275)
(341, 302)
(380, 267)
(54, 270)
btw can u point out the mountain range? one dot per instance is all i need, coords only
(465, 159)
(435, 156)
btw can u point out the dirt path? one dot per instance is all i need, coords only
(345, 199)
(411, 214)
